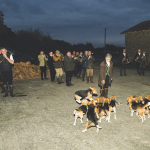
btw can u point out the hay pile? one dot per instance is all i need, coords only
(24, 70)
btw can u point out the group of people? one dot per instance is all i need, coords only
(73, 64)
(140, 59)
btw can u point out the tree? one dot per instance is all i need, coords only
(1, 17)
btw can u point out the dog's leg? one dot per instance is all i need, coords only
(148, 116)
(142, 119)
(97, 115)
(81, 120)
(109, 117)
(144, 116)
(75, 120)
(78, 101)
(136, 113)
(99, 120)
(132, 113)
(98, 127)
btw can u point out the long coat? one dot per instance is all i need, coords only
(68, 63)
(41, 60)
(102, 73)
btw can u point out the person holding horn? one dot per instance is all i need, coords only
(105, 75)
(123, 61)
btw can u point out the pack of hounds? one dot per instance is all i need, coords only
(101, 107)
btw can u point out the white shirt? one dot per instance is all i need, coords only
(124, 54)
(143, 54)
(11, 57)
(139, 54)
(108, 63)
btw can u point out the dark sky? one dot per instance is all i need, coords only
(77, 21)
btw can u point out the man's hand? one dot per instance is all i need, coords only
(4, 55)
(103, 81)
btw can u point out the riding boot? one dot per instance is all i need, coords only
(70, 81)
(61, 79)
(91, 78)
(6, 91)
(82, 77)
(87, 79)
(140, 72)
(120, 72)
(106, 92)
(11, 90)
(125, 71)
(58, 80)
(67, 81)
(3, 89)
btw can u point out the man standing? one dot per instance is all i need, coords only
(137, 58)
(143, 63)
(89, 66)
(42, 63)
(51, 66)
(58, 64)
(123, 61)
(74, 65)
(6, 71)
(1, 81)
(68, 67)
(84, 64)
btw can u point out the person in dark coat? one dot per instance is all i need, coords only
(143, 63)
(84, 64)
(89, 66)
(1, 81)
(137, 58)
(6, 71)
(68, 67)
(51, 66)
(105, 75)
(123, 61)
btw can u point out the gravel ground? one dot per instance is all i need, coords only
(40, 117)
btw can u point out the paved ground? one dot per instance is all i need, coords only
(41, 118)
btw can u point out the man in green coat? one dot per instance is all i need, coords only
(69, 67)
(89, 66)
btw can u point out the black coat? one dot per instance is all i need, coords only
(68, 63)
(50, 62)
(139, 57)
(122, 56)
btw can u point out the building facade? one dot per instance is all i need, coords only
(138, 37)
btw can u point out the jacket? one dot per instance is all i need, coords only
(84, 61)
(122, 56)
(42, 63)
(58, 61)
(68, 63)
(90, 62)
(102, 73)
(50, 62)
(5, 64)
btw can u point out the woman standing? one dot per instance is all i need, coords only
(105, 75)
(68, 67)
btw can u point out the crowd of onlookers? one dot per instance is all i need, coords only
(76, 64)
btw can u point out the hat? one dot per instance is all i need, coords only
(108, 56)
(57, 51)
